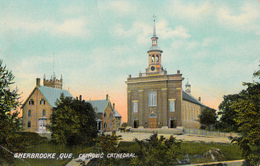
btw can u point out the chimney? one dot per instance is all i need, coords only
(107, 97)
(199, 99)
(113, 105)
(129, 76)
(80, 97)
(178, 72)
(38, 82)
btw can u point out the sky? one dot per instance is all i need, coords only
(95, 45)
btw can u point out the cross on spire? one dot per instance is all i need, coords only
(154, 16)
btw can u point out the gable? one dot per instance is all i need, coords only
(116, 114)
(29, 97)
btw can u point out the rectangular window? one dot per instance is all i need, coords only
(29, 113)
(172, 105)
(135, 107)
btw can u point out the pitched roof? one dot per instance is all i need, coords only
(52, 94)
(99, 105)
(116, 114)
(190, 98)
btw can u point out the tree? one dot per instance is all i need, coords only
(208, 117)
(157, 151)
(73, 122)
(228, 114)
(248, 119)
(10, 139)
(107, 144)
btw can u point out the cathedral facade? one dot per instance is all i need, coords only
(156, 99)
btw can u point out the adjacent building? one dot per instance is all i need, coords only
(108, 119)
(38, 107)
(156, 99)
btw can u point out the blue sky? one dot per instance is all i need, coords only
(97, 44)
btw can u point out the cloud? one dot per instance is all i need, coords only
(191, 10)
(248, 14)
(121, 8)
(72, 27)
(77, 27)
(167, 32)
(247, 19)
(143, 31)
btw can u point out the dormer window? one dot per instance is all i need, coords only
(42, 102)
(31, 102)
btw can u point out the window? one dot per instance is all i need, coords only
(29, 124)
(31, 102)
(111, 115)
(105, 125)
(152, 99)
(172, 105)
(29, 113)
(105, 115)
(43, 112)
(42, 102)
(135, 107)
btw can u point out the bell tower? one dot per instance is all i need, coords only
(154, 56)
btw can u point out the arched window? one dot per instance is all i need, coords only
(152, 58)
(152, 99)
(29, 124)
(42, 102)
(157, 58)
(43, 112)
(135, 107)
(29, 113)
(31, 102)
(105, 114)
(111, 115)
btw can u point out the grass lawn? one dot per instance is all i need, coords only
(230, 151)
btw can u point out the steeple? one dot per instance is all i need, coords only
(154, 30)
(154, 56)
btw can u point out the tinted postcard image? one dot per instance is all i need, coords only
(130, 83)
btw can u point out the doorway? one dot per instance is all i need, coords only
(42, 125)
(152, 121)
(172, 123)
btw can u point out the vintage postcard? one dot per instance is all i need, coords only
(129, 82)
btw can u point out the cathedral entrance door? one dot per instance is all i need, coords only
(172, 123)
(42, 125)
(135, 123)
(152, 121)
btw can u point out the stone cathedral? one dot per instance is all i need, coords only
(156, 99)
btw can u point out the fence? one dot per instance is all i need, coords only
(209, 133)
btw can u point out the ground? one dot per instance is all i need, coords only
(129, 136)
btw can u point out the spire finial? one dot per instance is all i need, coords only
(154, 31)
